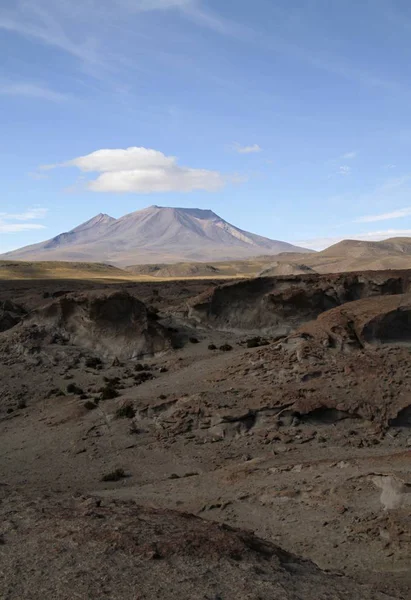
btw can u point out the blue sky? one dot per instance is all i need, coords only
(288, 119)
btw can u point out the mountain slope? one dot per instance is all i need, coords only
(154, 234)
(369, 250)
(357, 255)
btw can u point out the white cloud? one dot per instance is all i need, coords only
(349, 155)
(371, 236)
(142, 170)
(344, 170)
(122, 160)
(247, 149)
(176, 179)
(31, 90)
(395, 214)
(29, 215)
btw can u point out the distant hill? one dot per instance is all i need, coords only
(154, 235)
(59, 270)
(369, 250)
(355, 255)
(286, 268)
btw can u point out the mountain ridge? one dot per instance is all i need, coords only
(154, 234)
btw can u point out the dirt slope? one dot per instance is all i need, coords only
(354, 255)
(303, 441)
(284, 268)
(59, 270)
(121, 551)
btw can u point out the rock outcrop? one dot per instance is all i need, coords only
(111, 325)
(10, 315)
(280, 304)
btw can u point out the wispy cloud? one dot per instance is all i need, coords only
(8, 224)
(141, 170)
(39, 20)
(335, 162)
(31, 90)
(58, 23)
(18, 227)
(371, 236)
(29, 215)
(37, 175)
(158, 4)
(209, 19)
(253, 149)
(77, 30)
(349, 155)
(323, 62)
(395, 214)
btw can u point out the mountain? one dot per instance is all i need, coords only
(369, 250)
(356, 255)
(152, 235)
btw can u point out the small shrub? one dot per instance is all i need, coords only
(89, 405)
(134, 430)
(127, 411)
(93, 362)
(115, 475)
(140, 367)
(212, 347)
(226, 348)
(142, 377)
(22, 404)
(153, 313)
(253, 343)
(108, 392)
(256, 342)
(72, 388)
(112, 380)
(55, 392)
(194, 340)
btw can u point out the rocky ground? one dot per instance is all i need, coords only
(140, 423)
